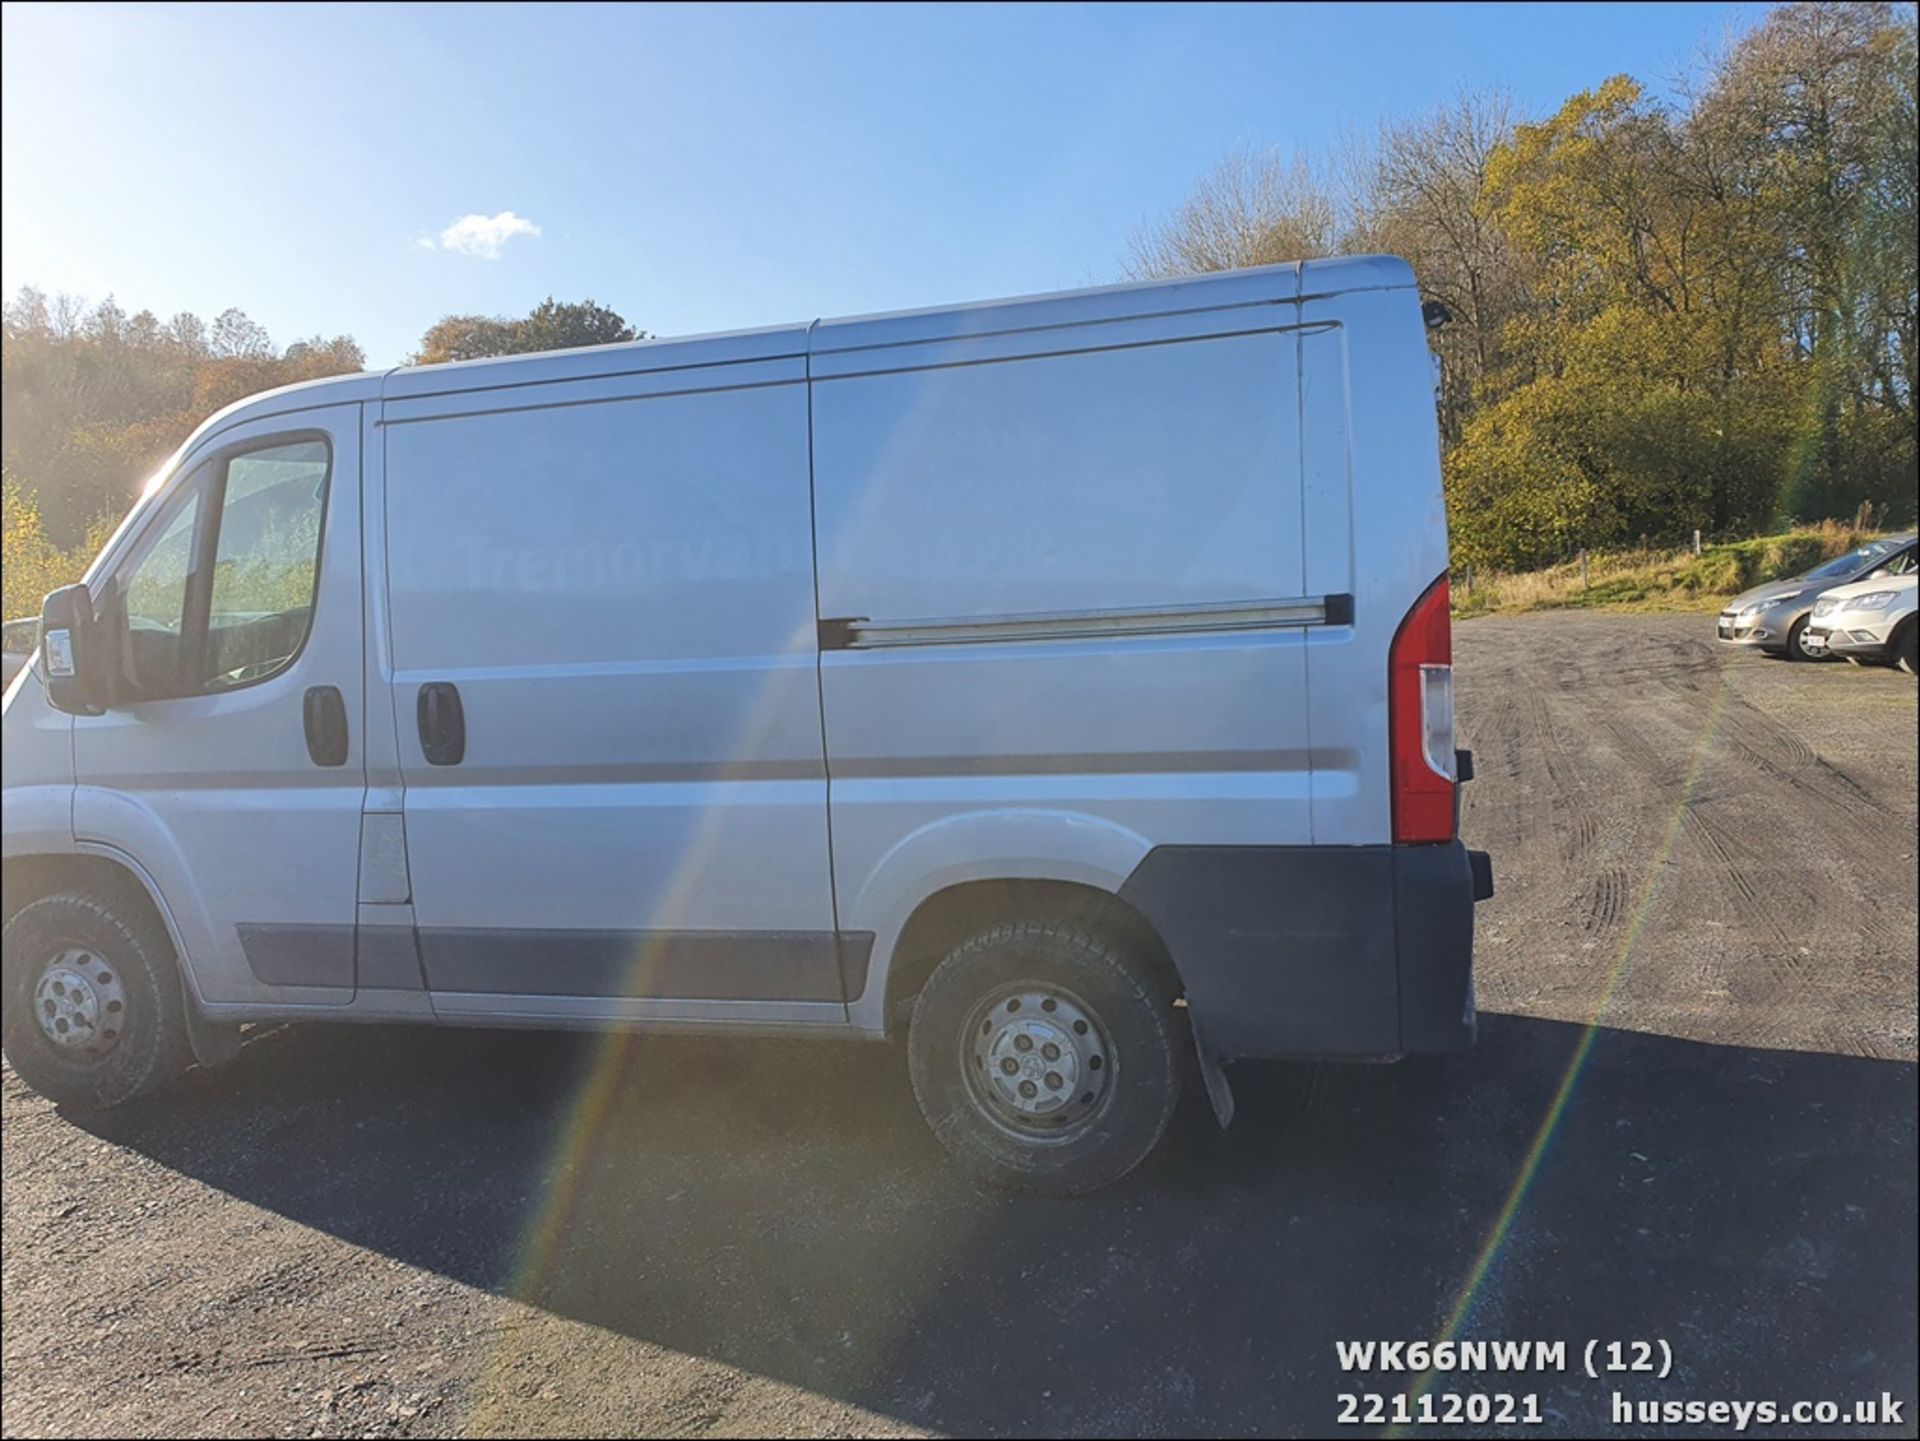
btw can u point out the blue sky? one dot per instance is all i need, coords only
(696, 169)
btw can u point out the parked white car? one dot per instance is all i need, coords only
(1870, 620)
(1000, 674)
(17, 640)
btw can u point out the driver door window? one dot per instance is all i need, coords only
(155, 597)
(265, 563)
(223, 595)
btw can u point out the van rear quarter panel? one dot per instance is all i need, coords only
(1367, 408)
(1149, 465)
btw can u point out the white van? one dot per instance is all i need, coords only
(1061, 683)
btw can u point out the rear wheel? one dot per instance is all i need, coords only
(93, 1013)
(1046, 1056)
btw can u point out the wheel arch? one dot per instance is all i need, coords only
(118, 878)
(948, 916)
(1902, 633)
(26, 879)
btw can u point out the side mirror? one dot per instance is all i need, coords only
(70, 659)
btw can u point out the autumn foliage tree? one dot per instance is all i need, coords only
(93, 400)
(552, 325)
(1667, 315)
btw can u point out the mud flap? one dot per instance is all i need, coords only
(213, 1044)
(1214, 1076)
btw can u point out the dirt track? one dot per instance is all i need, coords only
(397, 1232)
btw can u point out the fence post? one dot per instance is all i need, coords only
(1583, 571)
(1696, 540)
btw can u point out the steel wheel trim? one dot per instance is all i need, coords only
(1039, 1064)
(80, 1005)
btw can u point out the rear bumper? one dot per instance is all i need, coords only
(1319, 950)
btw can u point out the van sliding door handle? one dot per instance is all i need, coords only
(443, 725)
(324, 715)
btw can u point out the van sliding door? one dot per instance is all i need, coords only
(606, 697)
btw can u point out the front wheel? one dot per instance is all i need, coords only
(1797, 641)
(1046, 1056)
(93, 1013)
(1906, 648)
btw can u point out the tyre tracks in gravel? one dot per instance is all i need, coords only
(1661, 780)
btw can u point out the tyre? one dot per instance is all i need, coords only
(1047, 1056)
(1905, 649)
(93, 1012)
(1797, 641)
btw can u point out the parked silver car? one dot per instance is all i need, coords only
(1774, 617)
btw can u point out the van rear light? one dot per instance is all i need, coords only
(1436, 718)
(1420, 720)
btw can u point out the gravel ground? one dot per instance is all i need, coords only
(392, 1232)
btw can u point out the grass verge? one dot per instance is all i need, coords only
(1656, 580)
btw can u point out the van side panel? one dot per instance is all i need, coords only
(620, 588)
(1161, 477)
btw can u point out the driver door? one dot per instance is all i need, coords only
(230, 765)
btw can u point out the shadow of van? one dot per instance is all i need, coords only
(782, 1209)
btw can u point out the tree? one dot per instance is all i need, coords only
(1829, 89)
(552, 325)
(30, 564)
(465, 337)
(236, 337)
(1253, 208)
(1427, 194)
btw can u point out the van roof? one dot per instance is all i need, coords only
(1267, 284)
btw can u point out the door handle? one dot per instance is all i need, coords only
(443, 724)
(324, 715)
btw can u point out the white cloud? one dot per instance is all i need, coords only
(482, 236)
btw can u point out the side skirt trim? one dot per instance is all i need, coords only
(681, 965)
